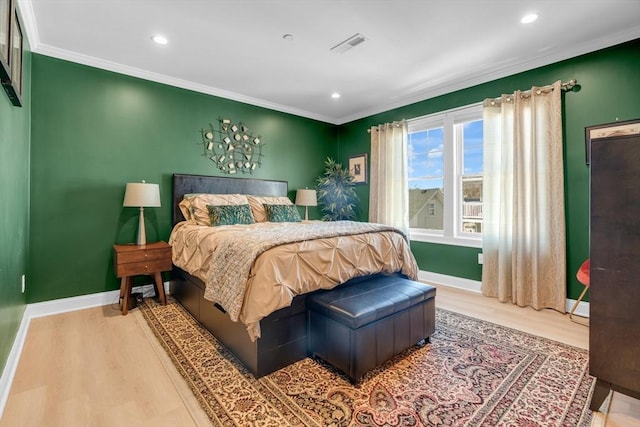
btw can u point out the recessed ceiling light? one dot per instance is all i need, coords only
(335, 95)
(529, 18)
(288, 37)
(160, 39)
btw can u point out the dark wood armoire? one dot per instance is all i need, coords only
(614, 331)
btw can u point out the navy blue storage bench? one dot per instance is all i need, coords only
(360, 326)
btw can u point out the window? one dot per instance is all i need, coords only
(445, 167)
(432, 208)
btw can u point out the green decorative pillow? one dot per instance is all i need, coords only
(229, 214)
(282, 213)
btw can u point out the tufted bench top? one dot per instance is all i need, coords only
(359, 304)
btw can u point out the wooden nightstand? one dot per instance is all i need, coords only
(133, 260)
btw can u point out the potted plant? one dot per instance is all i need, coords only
(336, 193)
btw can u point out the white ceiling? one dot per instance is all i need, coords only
(414, 49)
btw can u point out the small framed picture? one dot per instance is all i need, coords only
(13, 85)
(5, 25)
(609, 130)
(358, 168)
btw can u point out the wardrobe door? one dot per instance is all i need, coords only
(614, 332)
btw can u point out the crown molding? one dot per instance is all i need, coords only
(570, 51)
(29, 27)
(91, 61)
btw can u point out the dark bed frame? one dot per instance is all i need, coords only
(283, 333)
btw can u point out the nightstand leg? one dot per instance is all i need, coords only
(160, 288)
(122, 288)
(125, 294)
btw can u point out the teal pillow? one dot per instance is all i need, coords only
(282, 213)
(229, 214)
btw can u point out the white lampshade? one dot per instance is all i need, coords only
(142, 195)
(306, 197)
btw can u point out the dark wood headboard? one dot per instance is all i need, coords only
(186, 184)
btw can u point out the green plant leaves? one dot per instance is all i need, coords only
(336, 193)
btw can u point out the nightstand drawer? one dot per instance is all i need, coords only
(144, 255)
(131, 260)
(135, 260)
(143, 267)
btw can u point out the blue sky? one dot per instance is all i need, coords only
(426, 160)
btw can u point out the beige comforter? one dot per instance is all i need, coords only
(254, 270)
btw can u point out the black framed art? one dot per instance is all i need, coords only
(358, 168)
(5, 25)
(609, 130)
(13, 85)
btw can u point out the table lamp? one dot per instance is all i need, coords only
(306, 198)
(142, 195)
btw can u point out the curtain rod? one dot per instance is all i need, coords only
(569, 85)
(397, 124)
(565, 86)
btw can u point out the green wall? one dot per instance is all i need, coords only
(66, 155)
(93, 131)
(14, 209)
(610, 90)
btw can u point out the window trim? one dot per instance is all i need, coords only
(450, 235)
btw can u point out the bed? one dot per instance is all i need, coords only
(282, 333)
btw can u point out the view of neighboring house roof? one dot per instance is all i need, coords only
(418, 198)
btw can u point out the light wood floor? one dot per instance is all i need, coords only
(96, 367)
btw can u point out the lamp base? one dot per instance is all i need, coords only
(142, 236)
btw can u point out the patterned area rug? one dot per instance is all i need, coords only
(472, 373)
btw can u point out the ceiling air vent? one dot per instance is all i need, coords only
(349, 43)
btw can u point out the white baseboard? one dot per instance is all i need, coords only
(582, 310)
(49, 308)
(64, 305)
(12, 361)
(451, 281)
(474, 286)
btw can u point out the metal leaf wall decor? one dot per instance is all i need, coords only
(232, 147)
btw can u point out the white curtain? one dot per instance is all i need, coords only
(524, 222)
(388, 198)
